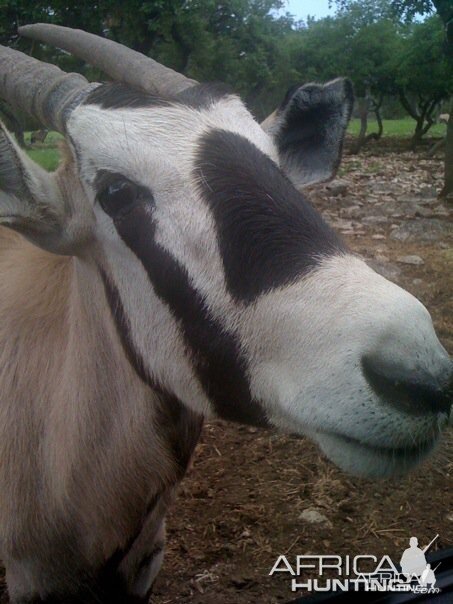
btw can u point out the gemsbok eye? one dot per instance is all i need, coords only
(118, 197)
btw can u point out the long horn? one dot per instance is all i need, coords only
(119, 62)
(42, 90)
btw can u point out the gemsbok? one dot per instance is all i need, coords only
(167, 272)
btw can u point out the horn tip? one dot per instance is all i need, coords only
(23, 30)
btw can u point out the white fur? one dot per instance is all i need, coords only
(66, 385)
(303, 343)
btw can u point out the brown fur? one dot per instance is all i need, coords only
(81, 458)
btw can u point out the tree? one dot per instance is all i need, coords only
(236, 41)
(424, 76)
(373, 51)
(408, 9)
(360, 42)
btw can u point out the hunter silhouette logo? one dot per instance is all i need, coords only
(413, 563)
(353, 572)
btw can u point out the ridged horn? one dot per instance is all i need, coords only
(117, 61)
(40, 89)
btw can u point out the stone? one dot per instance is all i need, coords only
(427, 193)
(386, 187)
(242, 582)
(424, 229)
(406, 208)
(386, 269)
(440, 211)
(411, 259)
(314, 516)
(381, 258)
(370, 220)
(352, 211)
(424, 212)
(337, 187)
(341, 223)
(377, 237)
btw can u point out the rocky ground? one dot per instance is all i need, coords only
(252, 495)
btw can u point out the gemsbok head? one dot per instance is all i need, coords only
(171, 271)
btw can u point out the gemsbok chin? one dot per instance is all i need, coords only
(167, 272)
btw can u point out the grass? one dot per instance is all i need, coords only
(47, 156)
(403, 128)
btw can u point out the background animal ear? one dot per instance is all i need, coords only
(30, 200)
(309, 128)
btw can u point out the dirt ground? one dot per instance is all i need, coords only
(240, 505)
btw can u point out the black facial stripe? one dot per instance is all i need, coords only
(180, 425)
(147, 560)
(217, 359)
(269, 235)
(123, 329)
(120, 96)
(111, 565)
(202, 96)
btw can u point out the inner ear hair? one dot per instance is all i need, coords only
(309, 128)
(30, 200)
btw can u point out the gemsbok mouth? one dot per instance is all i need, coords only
(373, 461)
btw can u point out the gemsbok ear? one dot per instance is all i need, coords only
(30, 200)
(308, 129)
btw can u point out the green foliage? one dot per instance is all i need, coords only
(250, 45)
(359, 45)
(408, 9)
(46, 158)
(402, 128)
(45, 154)
(422, 67)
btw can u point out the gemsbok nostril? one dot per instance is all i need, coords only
(416, 392)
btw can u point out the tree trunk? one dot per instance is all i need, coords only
(435, 147)
(363, 104)
(19, 134)
(424, 114)
(445, 11)
(417, 136)
(377, 112)
(447, 190)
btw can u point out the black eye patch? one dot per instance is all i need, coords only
(118, 195)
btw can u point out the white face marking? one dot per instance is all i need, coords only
(303, 343)
(306, 361)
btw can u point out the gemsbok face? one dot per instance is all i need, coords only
(227, 288)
